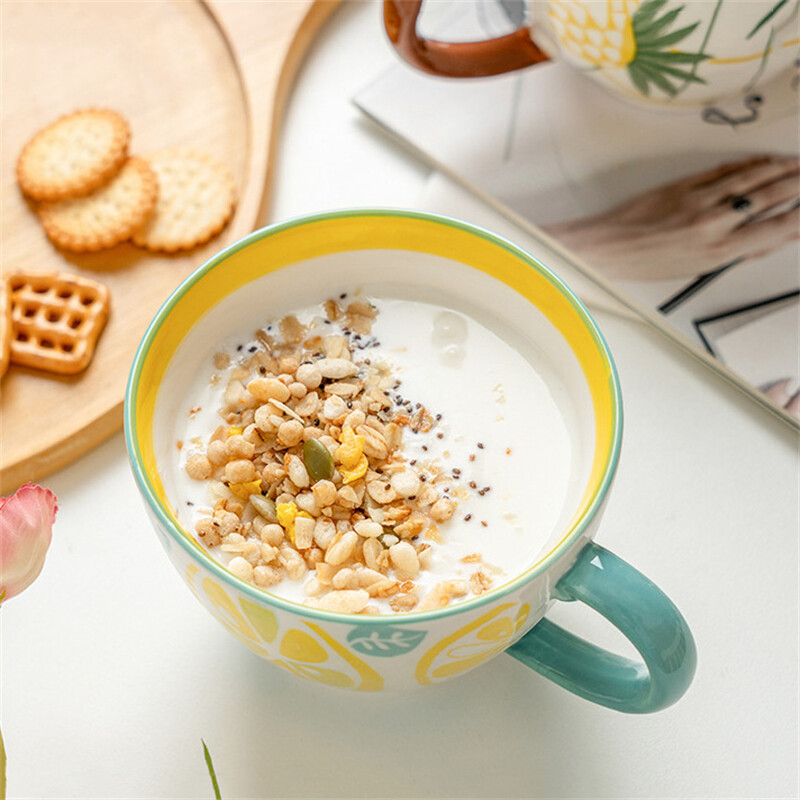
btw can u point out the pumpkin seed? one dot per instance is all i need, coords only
(318, 460)
(264, 506)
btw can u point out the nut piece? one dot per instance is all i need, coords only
(241, 568)
(336, 368)
(324, 531)
(334, 407)
(404, 557)
(404, 601)
(309, 375)
(380, 491)
(325, 492)
(344, 601)
(304, 532)
(368, 529)
(375, 445)
(292, 562)
(442, 510)
(441, 594)
(406, 483)
(298, 474)
(265, 389)
(340, 551)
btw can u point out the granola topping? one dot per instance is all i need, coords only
(324, 473)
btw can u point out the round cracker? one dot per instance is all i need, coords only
(195, 200)
(73, 155)
(107, 216)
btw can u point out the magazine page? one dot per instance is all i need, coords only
(443, 195)
(687, 212)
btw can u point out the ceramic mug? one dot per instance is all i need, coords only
(392, 253)
(665, 52)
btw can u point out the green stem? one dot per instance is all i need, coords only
(211, 772)
(2, 768)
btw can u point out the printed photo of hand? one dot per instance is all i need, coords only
(780, 393)
(732, 212)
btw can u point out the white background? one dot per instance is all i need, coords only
(112, 672)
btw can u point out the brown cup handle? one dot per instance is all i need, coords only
(456, 59)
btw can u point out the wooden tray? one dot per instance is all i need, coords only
(213, 75)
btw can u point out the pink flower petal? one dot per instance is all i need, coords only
(26, 526)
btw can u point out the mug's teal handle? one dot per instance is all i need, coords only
(642, 612)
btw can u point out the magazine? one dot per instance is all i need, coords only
(688, 217)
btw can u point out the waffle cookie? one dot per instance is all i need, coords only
(5, 326)
(73, 155)
(57, 319)
(195, 201)
(108, 215)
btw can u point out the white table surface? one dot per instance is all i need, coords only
(112, 672)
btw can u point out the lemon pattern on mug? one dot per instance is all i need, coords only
(472, 644)
(304, 653)
(253, 626)
(639, 36)
(312, 654)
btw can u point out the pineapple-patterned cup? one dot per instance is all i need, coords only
(661, 52)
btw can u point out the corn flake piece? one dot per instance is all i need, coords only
(244, 490)
(235, 431)
(351, 449)
(359, 471)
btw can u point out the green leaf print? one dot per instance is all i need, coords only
(655, 66)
